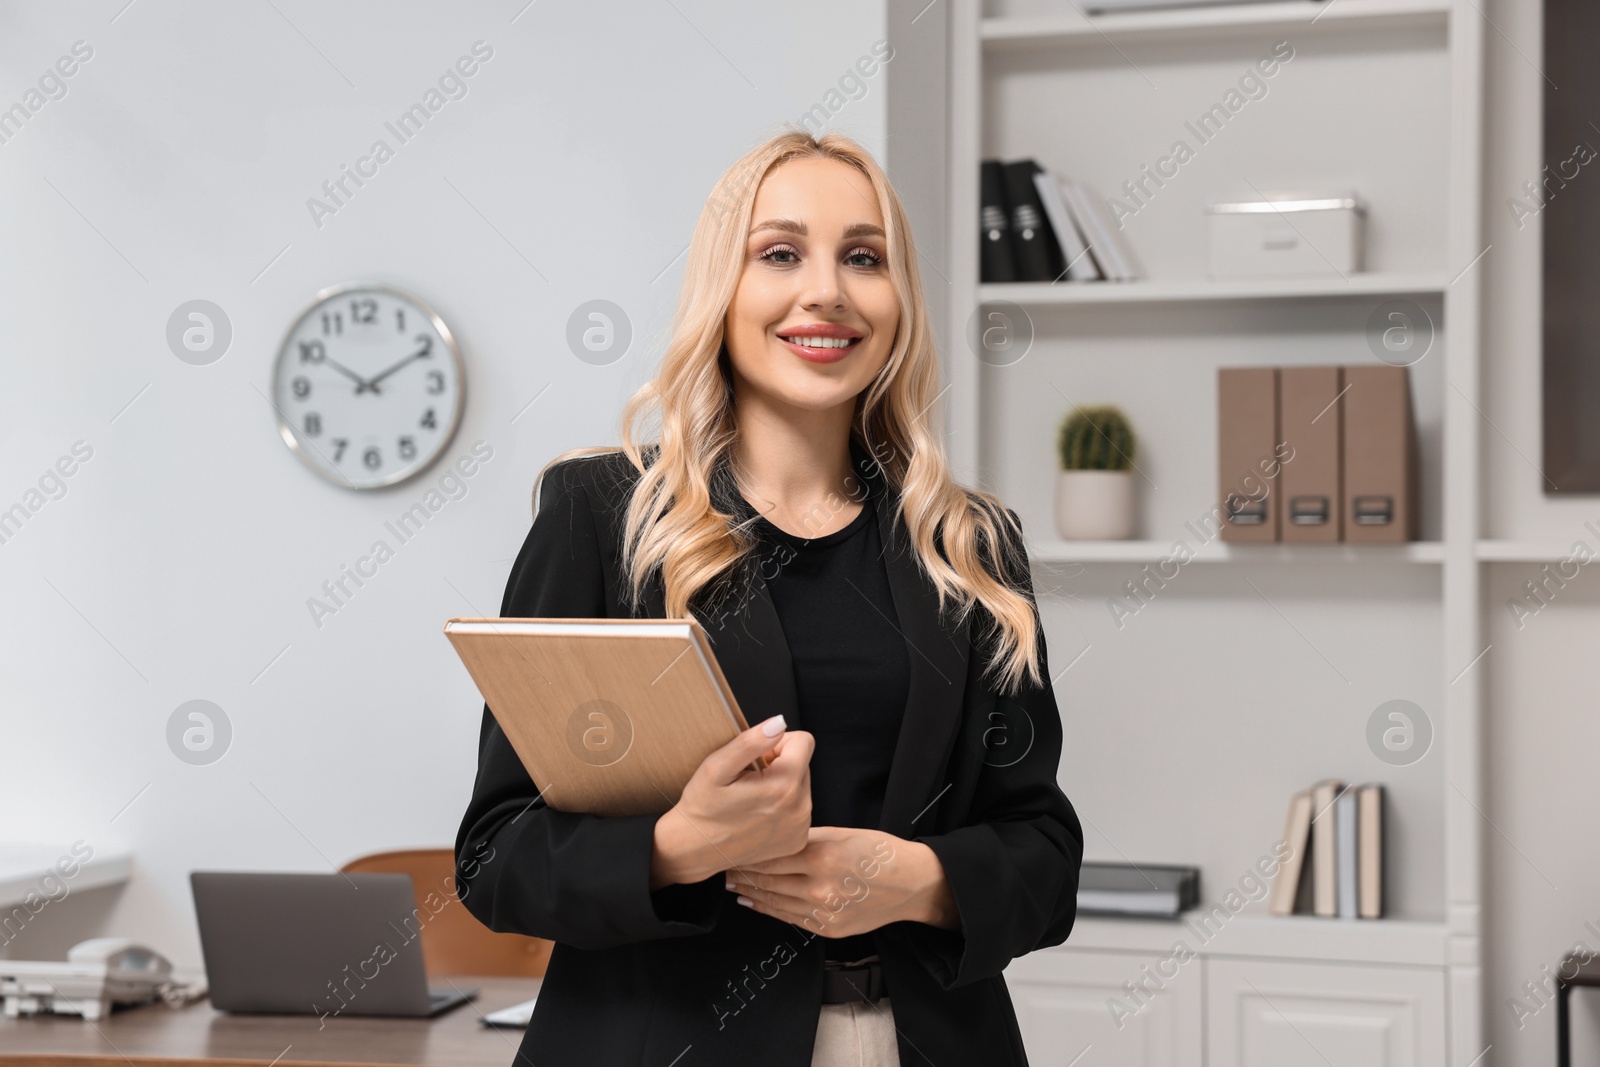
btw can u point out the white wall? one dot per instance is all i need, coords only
(1542, 869)
(178, 563)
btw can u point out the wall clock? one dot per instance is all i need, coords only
(369, 386)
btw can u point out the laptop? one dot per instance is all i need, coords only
(316, 944)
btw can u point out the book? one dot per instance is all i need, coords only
(1033, 245)
(1080, 265)
(1146, 890)
(1369, 863)
(1324, 851)
(1345, 825)
(1297, 835)
(995, 260)
(1111, 249)
(609, 716)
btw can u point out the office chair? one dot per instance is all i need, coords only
(454, 942)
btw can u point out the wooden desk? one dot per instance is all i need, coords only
(155, 1035)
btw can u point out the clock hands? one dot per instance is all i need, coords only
(361, 383)
(364, 384)
(426, 348)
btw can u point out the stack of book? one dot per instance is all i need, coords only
(1343, 828)
(1140, 890)
(1040, 227)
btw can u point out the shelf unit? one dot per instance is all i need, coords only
(1058, 551)
(1526, 551)
(1074, 26)
(1393, 942)
(1093, 96)
(23, 866)
(1182, 291)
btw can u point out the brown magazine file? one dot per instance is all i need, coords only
(454, 942)
(1309, 421)
(1380, 456)
(1247, 439)
(611, 721)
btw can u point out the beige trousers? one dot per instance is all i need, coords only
(856, 1035)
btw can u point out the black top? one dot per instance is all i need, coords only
(851, 667)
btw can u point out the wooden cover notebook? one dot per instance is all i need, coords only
(609, 716)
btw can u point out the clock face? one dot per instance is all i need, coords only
(368, 386)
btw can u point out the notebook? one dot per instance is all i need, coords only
(609, 716)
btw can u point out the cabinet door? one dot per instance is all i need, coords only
(1068, 1002)
(1273, 1014)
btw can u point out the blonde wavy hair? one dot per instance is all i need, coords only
(965, 539)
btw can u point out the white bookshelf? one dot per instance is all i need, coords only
(1059, 551)
(1073, 26)
(1180, 291)
(1252, 671)
(1526, 551)
(1393, 942)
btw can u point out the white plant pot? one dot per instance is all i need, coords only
(1094, 505)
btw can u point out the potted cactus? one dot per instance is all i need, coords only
(1094, 491)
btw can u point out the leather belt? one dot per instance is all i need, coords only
(850, 985)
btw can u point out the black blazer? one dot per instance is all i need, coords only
(685, 975)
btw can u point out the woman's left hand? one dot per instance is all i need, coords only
(849, 881)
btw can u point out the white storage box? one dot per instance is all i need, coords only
(1286, 235)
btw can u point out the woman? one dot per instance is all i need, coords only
(857, 900)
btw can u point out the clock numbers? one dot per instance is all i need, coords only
(339, 444)
(332, 322)
(408, 448)
(427, 346)
(364, 310)
(302, 387)
(313, 424)
(372, 458)
(400, 319)
(312, 352)
(428, 422)
(435, 383)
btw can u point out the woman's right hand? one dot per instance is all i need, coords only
(731, 814)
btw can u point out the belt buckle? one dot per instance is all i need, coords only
(866, 982)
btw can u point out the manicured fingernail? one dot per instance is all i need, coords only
(773, 726)
(731, 885)
(746, 901)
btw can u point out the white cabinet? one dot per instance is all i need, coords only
(1271, 993)
(1065, 1001)
(1263, 1013)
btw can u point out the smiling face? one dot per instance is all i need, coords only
(813, 318)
